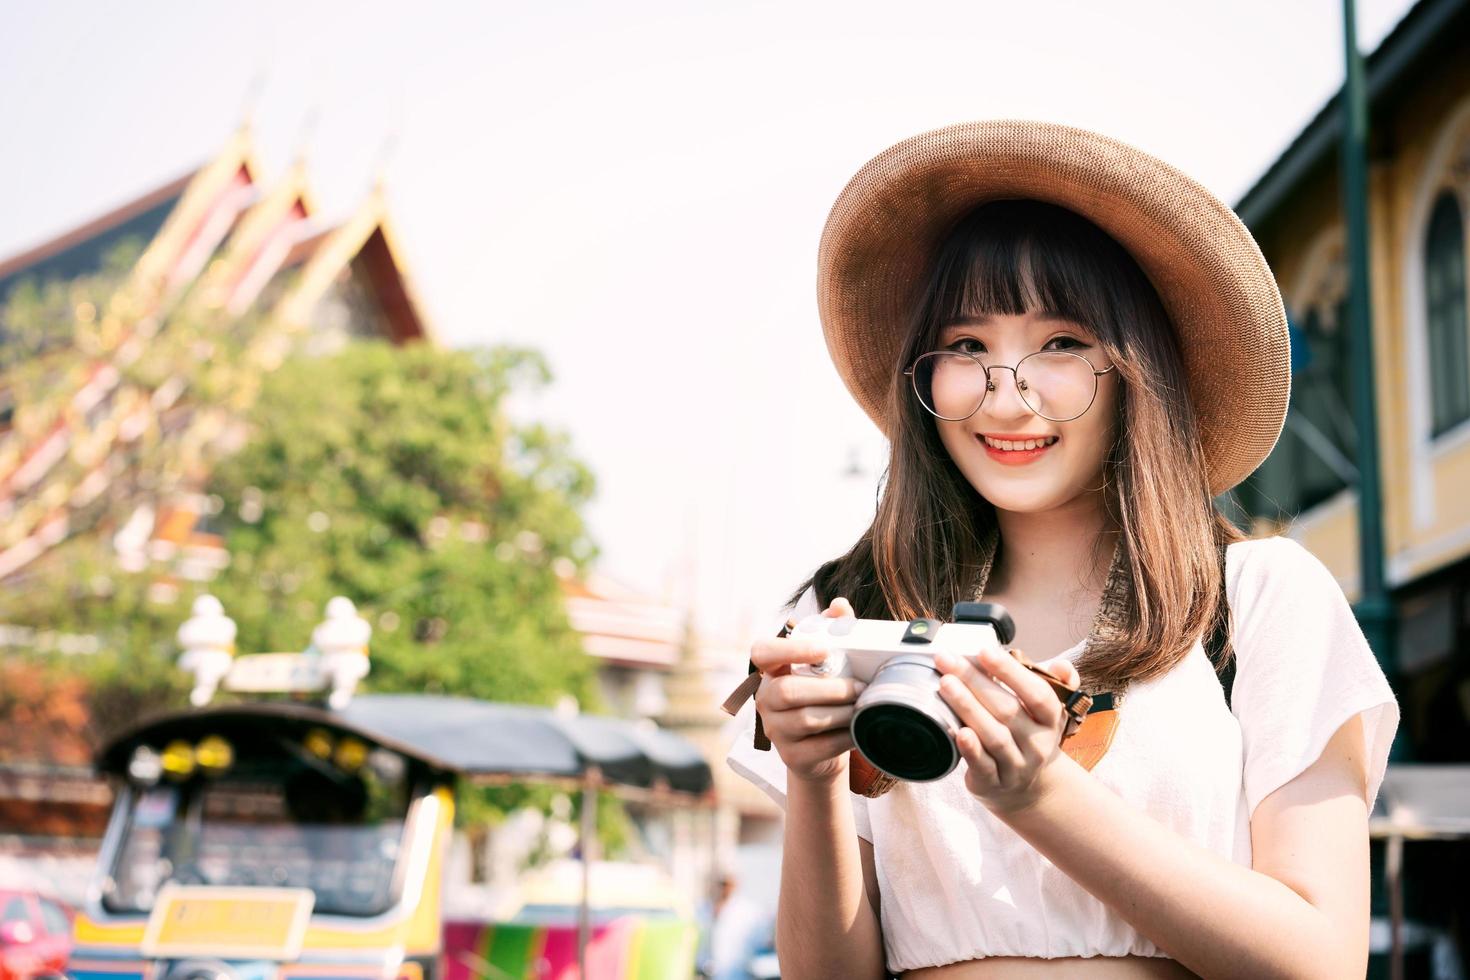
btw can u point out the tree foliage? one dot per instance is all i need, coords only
(395, 477)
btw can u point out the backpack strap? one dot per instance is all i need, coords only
(1217, 638)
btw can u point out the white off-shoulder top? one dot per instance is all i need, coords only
(958, 884)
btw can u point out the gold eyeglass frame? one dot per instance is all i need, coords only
(1021, 386)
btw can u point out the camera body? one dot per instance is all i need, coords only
(901, 723)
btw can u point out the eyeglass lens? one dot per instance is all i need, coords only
(1056, 385)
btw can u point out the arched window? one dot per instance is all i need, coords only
(1449, 334)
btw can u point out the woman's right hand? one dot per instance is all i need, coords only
(805, 717)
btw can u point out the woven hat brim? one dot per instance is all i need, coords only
(885, 229)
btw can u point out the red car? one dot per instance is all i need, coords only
(35, 936)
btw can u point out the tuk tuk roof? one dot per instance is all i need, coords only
(459, 735)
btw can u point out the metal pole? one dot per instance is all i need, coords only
(711, 882)
(1374, 608)
(588, 847)
(1394, 869)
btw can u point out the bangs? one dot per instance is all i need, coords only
(1011, 258)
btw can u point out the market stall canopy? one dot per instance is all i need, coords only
(474, 739)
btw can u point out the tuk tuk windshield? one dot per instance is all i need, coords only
(282, 825)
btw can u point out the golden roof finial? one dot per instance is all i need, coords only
(251, 102)
(308, 130)
(386, 153)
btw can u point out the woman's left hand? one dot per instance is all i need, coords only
(1009, 739)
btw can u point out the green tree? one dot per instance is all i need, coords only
(394, 476)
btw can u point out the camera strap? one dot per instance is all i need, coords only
(745, 690)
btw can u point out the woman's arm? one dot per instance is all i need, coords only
(1301, 910)
(826, 926)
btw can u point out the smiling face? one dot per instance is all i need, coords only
(1014, 457)
(1010, 279)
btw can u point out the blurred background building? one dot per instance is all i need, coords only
(1419, 87)
(1418, 147)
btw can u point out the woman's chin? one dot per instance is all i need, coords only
(1027, 496)
(1022, 503)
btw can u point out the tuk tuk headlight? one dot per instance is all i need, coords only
(214, 754)
(351, 754)
(318, 742)
(177, 759)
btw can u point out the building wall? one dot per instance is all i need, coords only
(1426, 485)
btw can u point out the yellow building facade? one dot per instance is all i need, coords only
(1419, 208)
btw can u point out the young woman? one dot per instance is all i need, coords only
(1072, 348)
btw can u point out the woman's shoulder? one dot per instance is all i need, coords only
(1276, 563)
(1282, 594)
(1304, 666)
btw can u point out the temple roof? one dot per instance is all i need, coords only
(83, 250)
(215, 242)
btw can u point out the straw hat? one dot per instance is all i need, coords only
(886, 227)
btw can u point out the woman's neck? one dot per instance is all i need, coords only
(1060, 550)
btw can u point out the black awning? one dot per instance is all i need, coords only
(460, 735)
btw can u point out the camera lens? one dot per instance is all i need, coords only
(902, 725)
(903, 742)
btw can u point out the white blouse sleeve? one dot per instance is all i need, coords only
(765, 769)
(1303, 667)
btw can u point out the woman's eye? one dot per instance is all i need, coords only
(968, 345)
(1065, 343)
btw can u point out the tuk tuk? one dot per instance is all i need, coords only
(287, 838)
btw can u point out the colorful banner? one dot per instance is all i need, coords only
(628, 948)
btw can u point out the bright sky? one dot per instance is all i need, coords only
(638, 189)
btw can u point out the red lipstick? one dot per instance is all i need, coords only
(1013, 457)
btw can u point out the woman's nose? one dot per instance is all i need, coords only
(1003, 395)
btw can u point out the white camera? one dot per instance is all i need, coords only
(901, 724)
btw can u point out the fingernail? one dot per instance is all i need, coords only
(860, 686)
(944, 661)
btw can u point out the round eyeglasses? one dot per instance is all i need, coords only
(1057, 385)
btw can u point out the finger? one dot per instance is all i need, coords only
(767, 655)
(983, 774)
(840, 607)
(1035, 694)
(994, 736)
(998, 701)
(797, 691)
(808, 722)
(1064, 669)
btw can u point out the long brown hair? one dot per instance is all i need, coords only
(924, 549)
